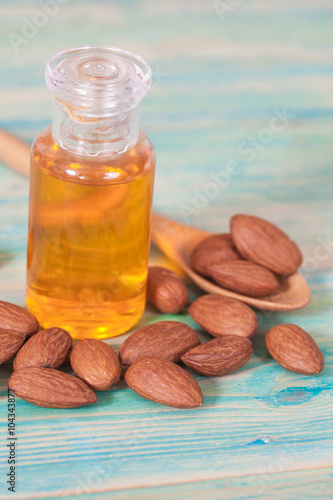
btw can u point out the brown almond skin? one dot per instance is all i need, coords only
(245, 277)
(164, 339)
(163, 382)
(213, 250)
(15, 318)
(10, 343)
(166, 291)
(219, 356)
(50, 388)
(294, 349)
(96, 363)
(46, 349)
(222, 316)
(262, 242)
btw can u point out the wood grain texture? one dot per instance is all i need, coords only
(317, 483)
(221, 84)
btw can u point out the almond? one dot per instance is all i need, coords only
(15, 318)
(96, 363)
(163, 382)
(260, 241)
(219, 356)
(46, 349)
(166, 291)
(10, 342)
(164, 339)
(221, 316)
(213, 250)
(50, 388)
(294, 349)
(245, 277)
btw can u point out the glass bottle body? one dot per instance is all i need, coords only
(89, 233)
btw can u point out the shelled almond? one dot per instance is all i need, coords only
(164, 339)
(15, 318)
(245, 277)
(213, 251)
(166, 291)
(222, 316)
(264, 243)
(10, 343)
(46, 349)
(50, 388)
(163, 382)
(219, 356)
(294, 349)
(96, 363)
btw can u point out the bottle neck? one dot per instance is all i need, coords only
(97, 134)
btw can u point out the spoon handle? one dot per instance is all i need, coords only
(175, 239)
(14, 152)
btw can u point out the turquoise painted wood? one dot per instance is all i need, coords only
(241, 113)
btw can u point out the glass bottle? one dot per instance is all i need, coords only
(91, 188)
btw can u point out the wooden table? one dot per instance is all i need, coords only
(222, 72)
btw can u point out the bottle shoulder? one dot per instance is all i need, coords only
(125, 167)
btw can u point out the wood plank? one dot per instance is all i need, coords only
(308, 484)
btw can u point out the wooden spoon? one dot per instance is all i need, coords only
(177, 241)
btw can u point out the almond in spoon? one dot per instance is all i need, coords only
(163, 382)
(245, 277)
(262, 242)
(213, 250)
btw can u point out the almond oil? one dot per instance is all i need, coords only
(91, 189)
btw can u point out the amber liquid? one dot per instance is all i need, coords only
(89, 232)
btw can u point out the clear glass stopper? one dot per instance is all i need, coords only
(97, 94)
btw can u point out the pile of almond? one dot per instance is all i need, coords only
(250, 260)
(247, 261)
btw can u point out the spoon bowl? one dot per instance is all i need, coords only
(177, 241)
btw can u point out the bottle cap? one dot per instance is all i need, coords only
(97, 95)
